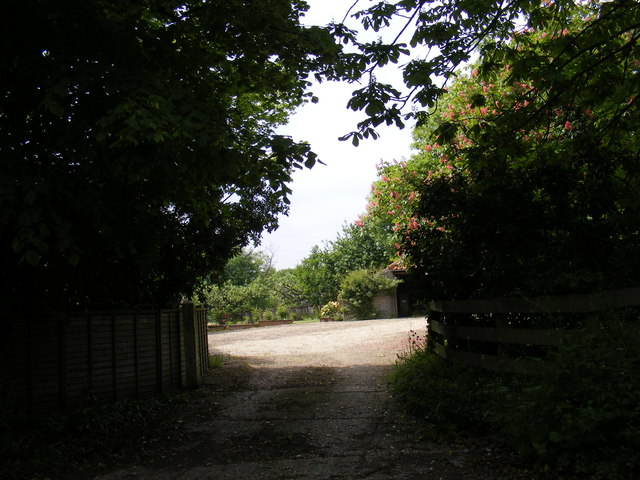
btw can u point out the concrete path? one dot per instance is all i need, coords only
(305, 401)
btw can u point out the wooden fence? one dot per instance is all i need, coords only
(64, 361)
(514, 334)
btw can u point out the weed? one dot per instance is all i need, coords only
(215, 361)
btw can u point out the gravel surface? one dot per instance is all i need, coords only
(307, 401)
(330, 344)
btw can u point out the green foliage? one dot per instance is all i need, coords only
(245, 267)
(451, 399)
(579, 417)
(332, 310)
(216, 361)
(228, 303)
(252, 290)
(452, 31)
(138, 142)
(318, 276)
(358, 289)
(527, 183)
(582, 415)
(358, 246)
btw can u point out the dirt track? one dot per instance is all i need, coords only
(306, 401)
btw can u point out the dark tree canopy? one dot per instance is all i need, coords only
(138, 145)
(138, 139)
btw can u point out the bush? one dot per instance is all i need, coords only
(332, 310)
(451, 398)
(358, 289)
(581, 416)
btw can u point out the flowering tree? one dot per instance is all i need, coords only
(520, 189)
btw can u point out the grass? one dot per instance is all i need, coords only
(307, 320)
(215, 361)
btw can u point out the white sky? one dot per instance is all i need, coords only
(326, 197)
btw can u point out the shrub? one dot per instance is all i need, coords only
(581, 416)
(331, 310)
(358, 289)
(451, 398)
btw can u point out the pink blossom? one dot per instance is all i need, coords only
(567, 125)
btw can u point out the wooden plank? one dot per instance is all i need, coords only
(595, 302)
(520, 336)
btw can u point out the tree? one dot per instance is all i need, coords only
(246, 267)
(317, 276)
(138, 142)
(452, 31)
(361, 246)
(357, 247)
(522, 191)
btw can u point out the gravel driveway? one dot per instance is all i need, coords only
(307, 401)
(331, 344)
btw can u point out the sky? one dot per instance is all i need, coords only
(328, 196)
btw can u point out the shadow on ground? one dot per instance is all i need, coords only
(260, 422)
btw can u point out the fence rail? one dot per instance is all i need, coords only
(513, 334)
(64, 361)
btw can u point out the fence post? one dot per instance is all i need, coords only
(191, 345)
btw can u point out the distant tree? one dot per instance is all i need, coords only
(317, 276)
(361, 246)
(138, 142)
(246, 267)
(288, 289)
(357, 247)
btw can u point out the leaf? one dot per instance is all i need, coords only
(32, 258)
(556, 437)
